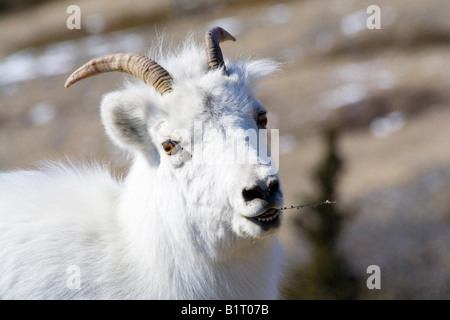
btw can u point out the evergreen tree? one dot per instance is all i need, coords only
(327, 275)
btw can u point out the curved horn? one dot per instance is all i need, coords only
(213, 37)
(137, 65)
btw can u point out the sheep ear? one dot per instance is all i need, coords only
(124, 116)
(258, 69)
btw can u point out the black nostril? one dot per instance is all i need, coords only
(274, 187)
(253, 193)
(256, 192)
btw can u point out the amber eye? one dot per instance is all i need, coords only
(262, 120)
(169, 146)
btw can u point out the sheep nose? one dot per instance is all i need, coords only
(268, 192)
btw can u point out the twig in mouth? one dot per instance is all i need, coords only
(308, 205)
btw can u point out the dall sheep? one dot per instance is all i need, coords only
(174, 227)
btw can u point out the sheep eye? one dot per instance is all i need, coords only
(169, 146)
(262, 120)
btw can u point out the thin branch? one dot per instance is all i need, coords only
(315, 205)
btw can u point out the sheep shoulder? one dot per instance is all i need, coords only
(57, 190)
(52, 219)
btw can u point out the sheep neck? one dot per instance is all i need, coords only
(158, 236)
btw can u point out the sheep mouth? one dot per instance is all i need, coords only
(268, 219)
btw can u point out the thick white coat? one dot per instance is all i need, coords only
(172, 228)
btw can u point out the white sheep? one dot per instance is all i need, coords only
(174, 228)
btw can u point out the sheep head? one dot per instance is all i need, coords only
(188, 131)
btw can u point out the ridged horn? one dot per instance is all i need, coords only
(137, 65)
(213, 38)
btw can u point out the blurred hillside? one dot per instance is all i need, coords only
(386, 90)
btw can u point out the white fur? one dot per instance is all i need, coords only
(172, 229)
